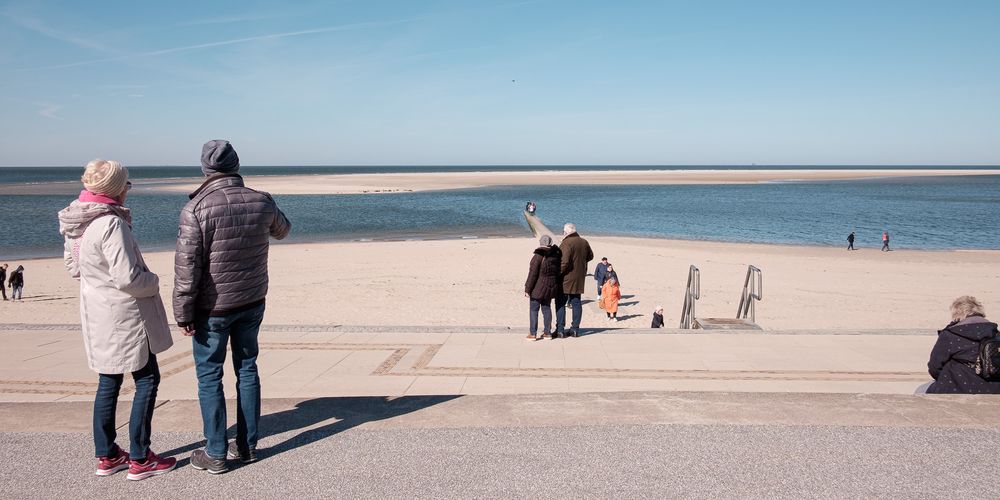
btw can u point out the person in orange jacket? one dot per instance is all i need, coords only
(610, 295)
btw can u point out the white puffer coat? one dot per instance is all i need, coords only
(121, 313)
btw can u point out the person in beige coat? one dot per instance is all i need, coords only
(122, 318)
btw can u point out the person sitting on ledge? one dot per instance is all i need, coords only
(954, 355)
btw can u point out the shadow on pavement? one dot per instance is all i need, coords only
(349, 412)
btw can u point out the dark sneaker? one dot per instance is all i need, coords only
(558, 335)
(153, 465)
(234, 453)
(574, 333)
(201, 461)
(107, 466)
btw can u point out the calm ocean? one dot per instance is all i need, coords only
(922, 213)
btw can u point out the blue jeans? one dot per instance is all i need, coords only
(210, 338)
(15, 293)
(139, 423)
(574, 301)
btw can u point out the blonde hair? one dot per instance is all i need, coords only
(966, 306)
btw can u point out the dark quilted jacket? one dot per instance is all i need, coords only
(543, 281)
(957, 347)
(221, 259)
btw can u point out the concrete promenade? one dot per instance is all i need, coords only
(47, 362)
(377, 412)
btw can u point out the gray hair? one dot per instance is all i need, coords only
(966, 306)
(569, 228)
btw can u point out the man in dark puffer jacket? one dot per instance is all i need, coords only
(220, 282)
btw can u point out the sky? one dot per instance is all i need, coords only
(502, 83)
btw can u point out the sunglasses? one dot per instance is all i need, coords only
(128, 185)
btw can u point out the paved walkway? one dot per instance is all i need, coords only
(47, 362)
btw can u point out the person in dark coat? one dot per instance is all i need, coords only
(657, 318)
(610, 273)
(850, 241)
(600, 274)
(543, 285)
(957, 348)
(3, 277)
(576, 253)
(16, 283)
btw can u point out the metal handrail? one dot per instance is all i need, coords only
(752, 290)
(691, 294)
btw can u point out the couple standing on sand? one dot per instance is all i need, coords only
(220, 282)
(557, 273)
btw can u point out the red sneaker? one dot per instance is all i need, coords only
(152, 466)
(107, 466)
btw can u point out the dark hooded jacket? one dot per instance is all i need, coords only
(576, 253)
(544, 281)
(657, 320)
(221, 261)
(16, 277)
(955, 353)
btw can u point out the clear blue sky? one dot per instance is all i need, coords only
(512, 82)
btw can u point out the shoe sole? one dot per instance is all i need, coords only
(109, 472)
(211, 471)
(149, 474)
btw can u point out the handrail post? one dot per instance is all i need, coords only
(753, 289)
(691, 294)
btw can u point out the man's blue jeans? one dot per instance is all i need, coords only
(139, 423)
(574, 301)
(210, 338)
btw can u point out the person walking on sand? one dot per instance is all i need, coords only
(576, 253)
(220, 282)
(657, 318)
(850, 241)
(3, 278)
(543, 285)
(885, 241)
(600, 274)
(609, 300)
(611, 273)
(16, 283)
(122, 318)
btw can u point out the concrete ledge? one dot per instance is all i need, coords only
(545, 410)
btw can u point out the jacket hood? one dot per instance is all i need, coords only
(975, 328)
(19, 269)
(76, 218)
(546, 251)
(216, 181)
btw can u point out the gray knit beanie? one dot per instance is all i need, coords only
(545, 240)
(219, 157)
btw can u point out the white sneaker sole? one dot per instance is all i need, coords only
(149, 474)
(109, 472)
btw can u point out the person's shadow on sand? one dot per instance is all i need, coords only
(349, 412)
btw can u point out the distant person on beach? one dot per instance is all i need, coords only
(600, 274)
(16, 283)
(3, 278)
(530, 208)
(122, 318)
(576, 253)
(609, 299)
(220, 282)
(543, 284)
(953, 358)
(657, 317)
(850, 241)
(885, 241)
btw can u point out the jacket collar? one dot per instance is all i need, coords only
(571, 235)
(217, 181)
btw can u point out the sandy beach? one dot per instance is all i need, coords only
(431, 181)
(480, 282)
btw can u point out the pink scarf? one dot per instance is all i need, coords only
(87, 196)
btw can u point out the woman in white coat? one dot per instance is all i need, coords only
(122, 317)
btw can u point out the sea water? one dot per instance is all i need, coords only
(958, 212)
